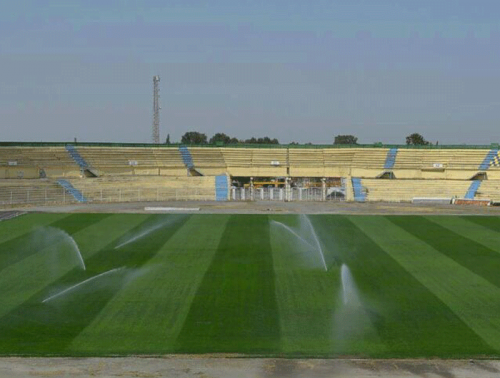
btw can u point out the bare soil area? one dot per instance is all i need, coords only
(188, 366)
(274, 207)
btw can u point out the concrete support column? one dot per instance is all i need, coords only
(323, 189)
(252, 190)
(288, 191)
(349, 191)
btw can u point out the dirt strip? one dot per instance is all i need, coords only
(274, 207)
(204, 367)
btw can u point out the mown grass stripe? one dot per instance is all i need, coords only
(25, 245)
(235, 307)
(404, 312)
(469, 229)
(147, 315)
(456, 246)
(23, 279)
(491, 222)
(305, 293)
(472, 298)
(59, 321)
(24, 224)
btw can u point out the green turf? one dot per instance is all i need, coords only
(426, 286)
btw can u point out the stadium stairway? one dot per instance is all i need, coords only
(221, 188)
(72, 190)
(391, 158)
(495, 161)
(84, 166)
(473, 188)
(359, 195)
(188, 161)
(76, 156)
(490, 157)
(186, 157)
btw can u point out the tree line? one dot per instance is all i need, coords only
(414, 139)
(194, 137)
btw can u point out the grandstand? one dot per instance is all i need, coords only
(134, 160)
(34, 162)
(439, 163)
(249, 162)
(145, 188)
(125, 172)
(32, 191)
(406, 190)
(208, 161)
(489, 190)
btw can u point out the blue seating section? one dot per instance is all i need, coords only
(76, 156)
(186, 157)
(72, 190)
(221, 188)
(359, 196)
(473, 188)
(495, 162)
(390, 160)
(488, 159)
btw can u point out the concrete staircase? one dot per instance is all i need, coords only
(473, 188)
(221, 188)
(186, 157)
(359, 194)
(85, 168)
(488, 159)
(391, 158)
(71, 190)
(76, 156)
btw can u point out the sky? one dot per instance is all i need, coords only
(300, 71)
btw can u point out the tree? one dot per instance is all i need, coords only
(345, 139)
(168, 139)
(416, 139)
(234, 141)
(265, 140)
(220, 137)
(194, 137)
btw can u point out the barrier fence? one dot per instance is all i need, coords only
(50, 196)
(281, 194)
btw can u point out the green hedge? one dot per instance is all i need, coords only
(294, 146)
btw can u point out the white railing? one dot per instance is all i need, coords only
(280, 194)
(34, 196)
(148, 194)
(51, 196)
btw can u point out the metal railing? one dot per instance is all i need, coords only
(52, 196)
(280, 194)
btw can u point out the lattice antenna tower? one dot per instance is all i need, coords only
(156, 109)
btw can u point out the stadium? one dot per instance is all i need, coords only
(130, 248)
(44, 173)
(94, 264)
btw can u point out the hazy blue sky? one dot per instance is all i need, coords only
(293, 70)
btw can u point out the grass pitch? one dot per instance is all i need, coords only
(290, 285)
